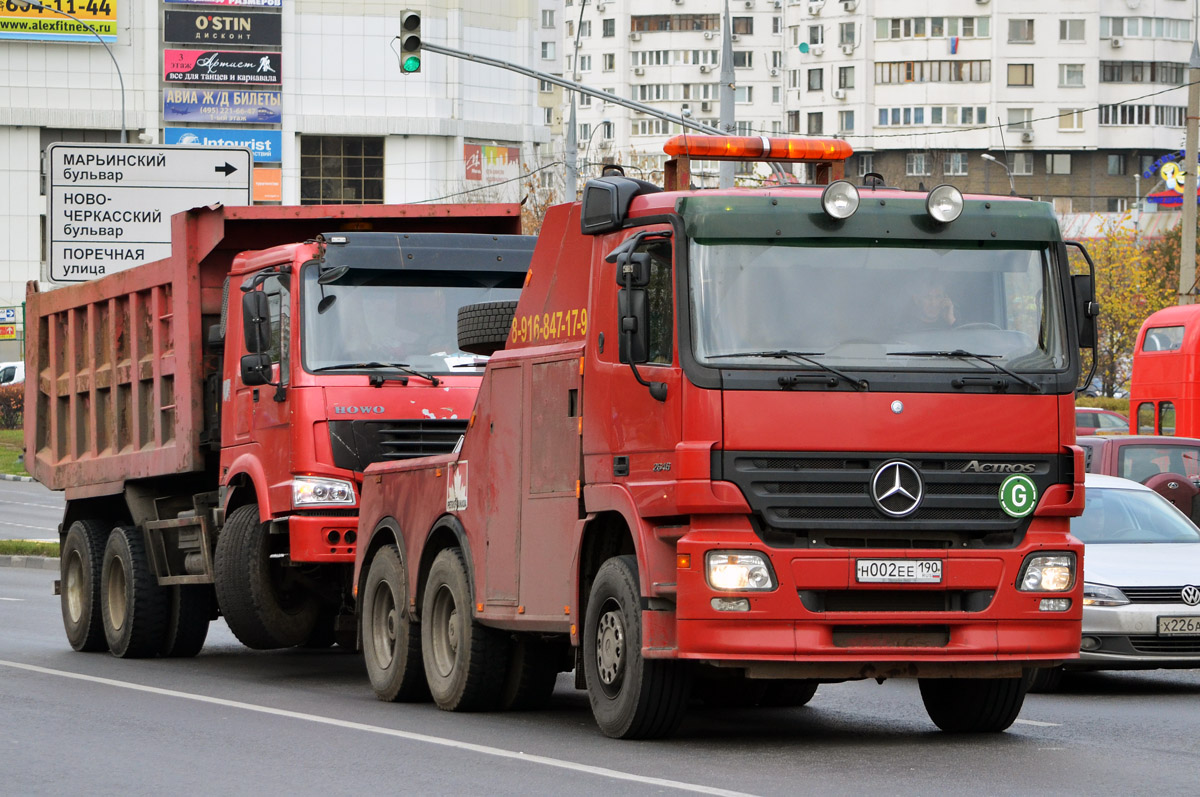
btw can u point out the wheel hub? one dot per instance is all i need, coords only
(74, 589)
(610, 647)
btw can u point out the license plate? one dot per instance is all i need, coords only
(898, 571)
(1179, 626)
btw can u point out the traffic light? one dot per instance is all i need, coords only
(410, 41)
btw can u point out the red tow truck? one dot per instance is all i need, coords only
(724, 452)
(209, 415)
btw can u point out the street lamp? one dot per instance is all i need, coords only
(587, 150)
(96, 33)
(1012, 190)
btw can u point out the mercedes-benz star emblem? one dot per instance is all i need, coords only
(897, 488)
(1191, 595)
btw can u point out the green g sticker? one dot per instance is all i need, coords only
(1018, 495)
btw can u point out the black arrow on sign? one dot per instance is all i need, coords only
(227, 168)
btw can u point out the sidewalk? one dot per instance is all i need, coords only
(30, 562)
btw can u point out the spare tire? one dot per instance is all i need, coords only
(483, 327)
(1176, 488)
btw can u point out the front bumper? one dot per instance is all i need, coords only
(1126, 637)
(323, 539)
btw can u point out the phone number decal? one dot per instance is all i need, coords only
(549, 327)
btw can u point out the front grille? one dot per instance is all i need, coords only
(1165, 644)
(897, 600)
(357, 444)
(824, 499)
(1153, 594)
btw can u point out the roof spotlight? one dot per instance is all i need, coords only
(944, 203)
(840, 199)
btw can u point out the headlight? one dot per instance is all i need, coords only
(739, 570)
(311, 491)
(944, 204)
(1048, 573)
(1101, 595)
(839, 200)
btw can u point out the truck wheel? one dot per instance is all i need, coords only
(788, 694)
(189, 611)
(632, 697)
(973, 705)
(1046, 679)
(483, 327)
(132, 603)
(532, 673)
(391, 641)
(80, 561)
(263, 605)
(465, 662)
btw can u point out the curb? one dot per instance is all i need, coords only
(8, 477)
(30, 562)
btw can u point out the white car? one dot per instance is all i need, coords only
(12, 373)
(1141, 572)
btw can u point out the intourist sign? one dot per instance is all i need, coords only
(222, 66)
(266, 145)
(222, 105)
(226, 27)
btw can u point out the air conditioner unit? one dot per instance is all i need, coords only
(734, 37)
(839, 94)
(1116, 41)
(817, 49)
(774, 72)
(708, 34)
(705, 67)
(982, 2)
(848, 49)
(706, 106)
(749, 3)
(779, 3)
(815, 8)
(849, 5)
(635, 36)
(639, 70)
(1027, 137)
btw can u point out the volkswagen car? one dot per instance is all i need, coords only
(1141, 571)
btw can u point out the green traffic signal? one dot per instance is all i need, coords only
(410, 41)
(410, 64)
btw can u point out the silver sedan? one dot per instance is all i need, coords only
(1141, 568)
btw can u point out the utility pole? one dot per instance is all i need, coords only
(1187, 244)
(571, 185)
(726, 95)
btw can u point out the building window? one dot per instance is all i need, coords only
(743, 94)
(585, 29)
(846, 33)
(816, 79)
(743, 59)
(845, 77)
(1070, 75)
(916, 164)
(1058, 163)
(547, 18)
(1070, 119)
(816, 124)
(547, 51)
(776, 25)
(846, 121)
(866, 163)
(545, 86)
(776, 95)
(1117, 204)
(955, 164)
(1070, 30)
(1020, 31)
(776, 59)
(585, 63)
(1020, 163)
(608, 28)
(610, 61)
(1020, 118)
(816, 34)
(341, 170)
(1020, 74)
(743, 25)
(585, 100)
(549, 116)
(776, 127)
(793, 121)
(1116, 164)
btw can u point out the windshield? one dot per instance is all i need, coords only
(395, 316)
(882, 307)
(1131, 516)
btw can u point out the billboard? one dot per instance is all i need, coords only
(45, 24)
(244, 3)
(265, 145)
(229, 27)
(222, 66)
(222, 105)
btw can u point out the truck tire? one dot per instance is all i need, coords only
(189, 611)
(264, 608)
(632, 697)
(391, 642)
(483, 328)
(973, 705)
(80, 560)
(1046, 679)
(465, 662)
(132, 603)
(532, 672)
(788, 694)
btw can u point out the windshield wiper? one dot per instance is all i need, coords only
(805, 357)
(377, 379)
(963, 354)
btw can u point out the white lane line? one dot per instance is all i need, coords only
(415, 737)
(1040, 724)
(14, 600)
(24, 526)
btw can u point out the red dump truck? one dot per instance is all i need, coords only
(735, 446)
(209, 415)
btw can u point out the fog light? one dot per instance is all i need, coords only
(333, 537)
(1054, 604)
(944, 203)
(840, 199)
(1089, 643)
(351, 536)
(731, 604)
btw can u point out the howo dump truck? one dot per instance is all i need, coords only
(741, 442)
(209, 415)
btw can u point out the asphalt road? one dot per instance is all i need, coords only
(233, 721)
(28, 511)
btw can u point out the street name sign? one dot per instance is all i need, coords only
(110, 205)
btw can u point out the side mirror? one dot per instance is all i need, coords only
(634, 267)
(633, 315)
(256, 369)
(256, 322)
(1086, 309)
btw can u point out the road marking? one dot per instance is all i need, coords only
(14, 600)
(1040, 724)
(414, 737)
(23, 526)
